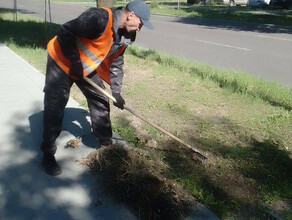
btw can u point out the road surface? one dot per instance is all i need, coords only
(263, 51)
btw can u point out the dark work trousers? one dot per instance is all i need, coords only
(57, 90)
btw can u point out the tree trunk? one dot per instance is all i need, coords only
(104, 3)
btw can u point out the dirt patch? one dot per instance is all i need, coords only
(135, 177)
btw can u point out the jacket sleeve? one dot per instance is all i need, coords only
(90, 24)
(117, 73)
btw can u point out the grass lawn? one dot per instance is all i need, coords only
(243, 124)
(247, 140)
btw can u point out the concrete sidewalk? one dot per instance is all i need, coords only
(26, 192)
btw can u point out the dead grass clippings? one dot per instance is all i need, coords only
(135, 177)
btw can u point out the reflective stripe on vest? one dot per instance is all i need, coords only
(92, 51)
(89, 54)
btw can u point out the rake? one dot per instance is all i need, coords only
(193, 149)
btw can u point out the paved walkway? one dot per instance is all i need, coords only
(26, 192)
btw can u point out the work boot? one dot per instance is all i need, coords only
(50, 165)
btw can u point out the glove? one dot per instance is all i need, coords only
(76, 70)
(120, 101)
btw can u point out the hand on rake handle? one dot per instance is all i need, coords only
(120, 102)
(76, 70)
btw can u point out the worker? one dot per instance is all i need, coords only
(91, 45)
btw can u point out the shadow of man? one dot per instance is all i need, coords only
(76, 122)
(28, 193)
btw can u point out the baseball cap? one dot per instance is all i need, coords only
(141, 10)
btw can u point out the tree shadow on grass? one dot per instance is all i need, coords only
(30, 34)
(265, 163)
(263, 168)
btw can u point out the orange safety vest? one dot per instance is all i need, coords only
(93, 53)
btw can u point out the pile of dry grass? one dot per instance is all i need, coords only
(136, 178)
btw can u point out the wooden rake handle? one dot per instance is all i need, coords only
(204, 158)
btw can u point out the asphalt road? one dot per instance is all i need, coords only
(261, 50)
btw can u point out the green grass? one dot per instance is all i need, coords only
(27, 37)
(251, 138)
(243, 123)
(271, 92)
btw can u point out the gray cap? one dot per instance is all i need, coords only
(141, 10)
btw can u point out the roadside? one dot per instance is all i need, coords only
(259, 15)
(236, 131)
(77, 193)
(212, 41)
(216, 42)
(243, 135)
